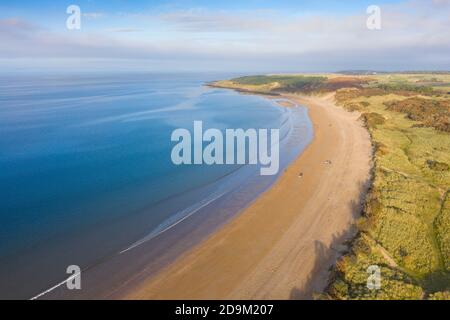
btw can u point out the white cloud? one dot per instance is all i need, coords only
(93, 15)
(201, 20)
(123, 30)
(414, 35)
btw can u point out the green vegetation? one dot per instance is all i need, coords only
(364, 84)
(352, 280)
(405, 87)
(430, 112)
(438, 166)
(442, 226)
(405, 227)
(295, 83)
(372, 119)
(285, 83)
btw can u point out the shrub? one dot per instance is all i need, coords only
(437, 166)
(431, 112)
(373, 119)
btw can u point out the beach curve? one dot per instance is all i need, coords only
(283, 245)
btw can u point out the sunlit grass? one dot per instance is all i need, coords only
(405, 229)
(408, 211)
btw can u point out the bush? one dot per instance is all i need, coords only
(432, 113)
(373, 119)
(437, 166)
(286, 83)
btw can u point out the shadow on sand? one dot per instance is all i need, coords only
(326, 256)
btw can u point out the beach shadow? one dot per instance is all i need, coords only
(357, 206)
(327, 256)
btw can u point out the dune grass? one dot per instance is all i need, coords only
(405, 227)
(406, 224)
(284, 83)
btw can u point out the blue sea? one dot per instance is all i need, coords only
(87, 179)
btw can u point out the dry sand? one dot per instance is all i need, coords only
(284, 244)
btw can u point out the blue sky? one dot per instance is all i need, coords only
(54, 11)
(255, 35)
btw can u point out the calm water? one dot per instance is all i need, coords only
(86, 170)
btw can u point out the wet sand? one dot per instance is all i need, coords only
(283, 245)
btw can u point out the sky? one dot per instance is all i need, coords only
(238, 36)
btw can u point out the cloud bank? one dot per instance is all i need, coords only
(414, 35)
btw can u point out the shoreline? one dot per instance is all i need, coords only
(245, 91)
(283, 245)
(146, 257)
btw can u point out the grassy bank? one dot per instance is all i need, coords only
(405, 227)
(406, 223)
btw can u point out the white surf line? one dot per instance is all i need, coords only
(130, 248)
(56, 286)
(152, 236)
(277, 100)
(140, 242)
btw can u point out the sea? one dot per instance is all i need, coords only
(87, 180)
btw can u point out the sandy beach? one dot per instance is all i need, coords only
(283, 245)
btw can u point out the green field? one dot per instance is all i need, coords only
(405, 226)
